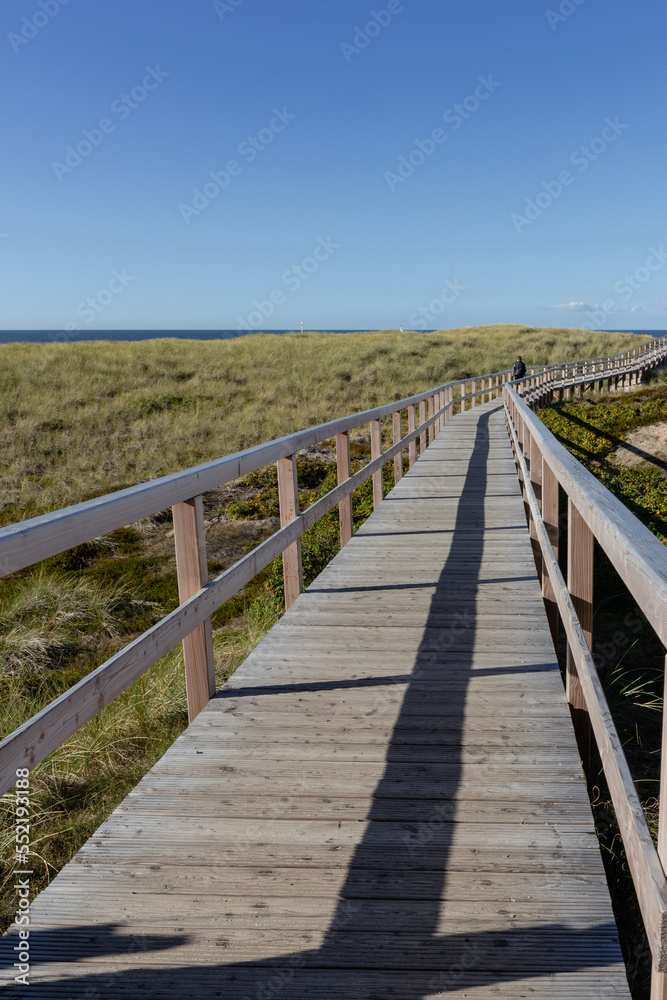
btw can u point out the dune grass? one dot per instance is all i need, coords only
(79, 420)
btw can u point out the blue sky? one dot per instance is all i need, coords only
(117, 113)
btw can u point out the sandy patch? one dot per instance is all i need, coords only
(644, 447)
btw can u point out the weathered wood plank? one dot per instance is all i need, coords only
(463, 981)
(192, 571)
(288, 498)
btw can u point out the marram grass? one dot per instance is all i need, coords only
(82, 419)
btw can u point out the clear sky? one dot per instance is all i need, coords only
(190, 164)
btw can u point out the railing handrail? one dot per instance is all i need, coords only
(636, 553)
(27, 542)
(640, 559)
(631, 353)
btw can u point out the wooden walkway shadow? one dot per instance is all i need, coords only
(384, 802)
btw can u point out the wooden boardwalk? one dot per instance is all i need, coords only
(384, 802)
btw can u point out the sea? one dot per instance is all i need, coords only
(60, 336)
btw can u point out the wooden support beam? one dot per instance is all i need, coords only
(535, 468)
(398, 459)
(580, 586)
(412, 447)
(422, 420)
(376, 451)
(192, 573)
(519, 425)
(288, 498)
(550, 519)
(343, 466)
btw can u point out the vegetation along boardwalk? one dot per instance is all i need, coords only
(386, 800)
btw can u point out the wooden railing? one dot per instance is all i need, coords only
(544, 466)
(31, 541)
(28, 542)
(542, 386)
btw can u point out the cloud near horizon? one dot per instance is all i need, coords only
(572, 306)
(585, 307)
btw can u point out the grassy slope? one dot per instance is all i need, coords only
(79, 420)
(594, 428)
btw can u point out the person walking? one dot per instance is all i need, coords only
(519, 369)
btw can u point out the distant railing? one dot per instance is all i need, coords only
(31, 541)
(640, 560)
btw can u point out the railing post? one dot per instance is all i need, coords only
(344, 469)
(422, 420)
(412, 447)
(520, 433)
(288, 498)
(580, 586)
(550, 519)
(535, 472)
(398, 459)
(431, 413)
(376, 451)
(192, 573)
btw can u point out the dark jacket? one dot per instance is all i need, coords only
(519, 369)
